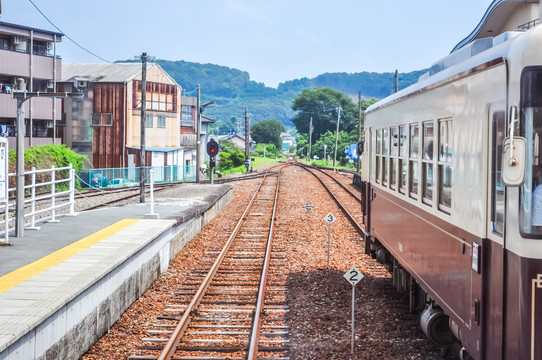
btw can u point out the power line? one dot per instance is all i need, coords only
(69, 38)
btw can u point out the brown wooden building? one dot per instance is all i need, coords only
(106, 124)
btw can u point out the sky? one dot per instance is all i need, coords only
(273, 40)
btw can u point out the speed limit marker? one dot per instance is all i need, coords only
(353, 275)
(330, 218)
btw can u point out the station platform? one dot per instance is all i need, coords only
(62, 287)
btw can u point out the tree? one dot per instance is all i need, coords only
(322, 105)
(268, 132)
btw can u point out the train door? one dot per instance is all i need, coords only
(492, 248)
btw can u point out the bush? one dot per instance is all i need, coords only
(45, 157)
(231, 159)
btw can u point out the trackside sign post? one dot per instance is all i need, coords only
(353, 276)
(329, 218)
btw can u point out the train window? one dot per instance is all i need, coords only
(427, 162)
(378, 154)
(394, 145)
(497, 187)
(445, 165)
(385, 149)
(531, 129)
(402, 161)
(413, 161)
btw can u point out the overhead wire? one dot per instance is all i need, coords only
(64, 34)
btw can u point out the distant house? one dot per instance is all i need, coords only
(106, 124)
(238, 141)
(29, 53)
(288, 141)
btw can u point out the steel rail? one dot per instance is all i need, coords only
(356, 225)
(339, 183)
(180, 329)
(255, 336)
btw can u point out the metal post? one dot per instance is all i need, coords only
(143, 118)
(72, 191)
(353, 303)
(310, 140)
(247, 139)
(328, 243)
(19, 206)
(337, 137)
(151, 174)
(211, 171)
(198, 136)
(33, 200)
(396, 80)
(53, 195)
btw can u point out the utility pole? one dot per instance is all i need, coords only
(19, 206)
(142, 155)
(359, 131)
(337, 137)
(198, 136)
(396, 80)
(247, 139)
(22, 95)
(310, 140)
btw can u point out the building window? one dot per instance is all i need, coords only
(427, 162)
(102, 119)
(159, 97)
(161, 122)
(149, 121)
(413, 161)
(445, 165)
(186, 116)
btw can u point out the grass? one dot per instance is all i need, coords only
(258, 161)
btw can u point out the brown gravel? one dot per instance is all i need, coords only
(319, 297)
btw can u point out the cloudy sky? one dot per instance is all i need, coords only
(273, 40)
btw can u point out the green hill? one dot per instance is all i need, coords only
(232, 89)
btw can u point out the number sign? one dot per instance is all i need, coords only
(330, 218)
(353, 276)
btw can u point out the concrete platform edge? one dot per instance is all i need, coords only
(82, 318)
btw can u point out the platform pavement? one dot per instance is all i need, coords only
(48, 273)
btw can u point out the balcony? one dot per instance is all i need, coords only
(15, 63)
(42, 108)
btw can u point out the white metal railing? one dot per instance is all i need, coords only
(43, 206)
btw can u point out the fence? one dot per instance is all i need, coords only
(50, 190)
(123, 177)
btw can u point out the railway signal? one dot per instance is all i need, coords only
(212, 148)
(212, 151)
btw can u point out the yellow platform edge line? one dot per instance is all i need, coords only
(26, 272)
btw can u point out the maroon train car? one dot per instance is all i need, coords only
(449, 172)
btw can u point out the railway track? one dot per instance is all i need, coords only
(336, 189)
(349, 203)
(236, 309)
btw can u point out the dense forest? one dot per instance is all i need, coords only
(232, 89)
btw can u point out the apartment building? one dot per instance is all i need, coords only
(31, 54)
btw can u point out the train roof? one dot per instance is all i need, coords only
(489, 40)
(483, 51)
